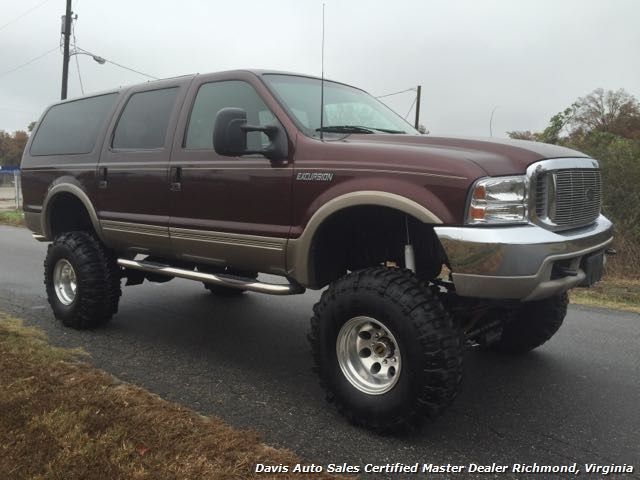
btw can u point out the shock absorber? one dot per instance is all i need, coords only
(409, 254)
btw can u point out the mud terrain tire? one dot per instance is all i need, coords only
(415, 328)
(82, 280)
(532, 325)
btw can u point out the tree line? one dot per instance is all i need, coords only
(12, 145)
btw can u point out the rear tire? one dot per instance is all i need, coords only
(82, 280)
(532, 324)
(407, 326)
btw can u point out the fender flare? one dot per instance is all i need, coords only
(77, 192)
(298, 250)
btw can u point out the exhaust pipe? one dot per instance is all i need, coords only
(223, 280)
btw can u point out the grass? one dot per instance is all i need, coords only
(616, 293)
(12, 217)
(63, 419)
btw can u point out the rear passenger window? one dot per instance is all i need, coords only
(72, 128)
(144, 120)
(213, 97)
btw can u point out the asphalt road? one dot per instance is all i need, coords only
(576, 399)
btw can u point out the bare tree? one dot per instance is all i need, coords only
(611, 111)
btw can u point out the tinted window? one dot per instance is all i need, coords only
(213, 97)
(72, 128)
(143, 123)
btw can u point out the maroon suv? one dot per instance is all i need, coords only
(426, 244)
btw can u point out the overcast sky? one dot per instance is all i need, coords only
(529, 58)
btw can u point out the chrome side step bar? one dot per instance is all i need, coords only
(221, 279)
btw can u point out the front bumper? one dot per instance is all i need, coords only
(518, 262)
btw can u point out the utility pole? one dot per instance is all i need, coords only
(418, 107)
(66, 31)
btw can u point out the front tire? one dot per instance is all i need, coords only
(386, 351)
(82, 280)
(532, 324)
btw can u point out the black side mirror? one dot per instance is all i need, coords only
(230, 136)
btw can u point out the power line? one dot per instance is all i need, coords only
(73, 31)
(28, 63)
(117, 64)
(23, 14)
(396, 93)
(79, 76)
(411, 107)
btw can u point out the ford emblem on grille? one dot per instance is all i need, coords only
(590, 194)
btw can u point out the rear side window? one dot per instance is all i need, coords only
(72, 128)
(144, 120)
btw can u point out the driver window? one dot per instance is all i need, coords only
(213, 97)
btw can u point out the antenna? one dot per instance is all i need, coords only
(322, 79)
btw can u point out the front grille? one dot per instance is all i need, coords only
(578, 197)
(569, 198)
(541, 195)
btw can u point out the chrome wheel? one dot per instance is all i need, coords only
(64, 282)
(368, 355)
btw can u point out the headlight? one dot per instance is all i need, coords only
(498, 200)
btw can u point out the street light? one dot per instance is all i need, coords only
(65, 77)
(96, 58)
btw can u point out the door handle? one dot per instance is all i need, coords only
(176, 179)
(102, 178)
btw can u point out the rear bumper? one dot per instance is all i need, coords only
(518, 262)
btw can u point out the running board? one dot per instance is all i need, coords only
(222, 279)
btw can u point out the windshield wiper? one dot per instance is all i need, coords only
(386, 130)
(344, 129)
(356, 129)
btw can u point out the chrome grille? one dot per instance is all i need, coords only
(578, 197)
(541, 195)
(569, 198)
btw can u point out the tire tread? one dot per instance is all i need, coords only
(440, 340)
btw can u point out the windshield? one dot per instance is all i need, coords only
(346, 109)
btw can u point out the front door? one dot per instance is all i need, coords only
(228, 211)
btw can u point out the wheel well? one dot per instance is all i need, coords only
(364, 236)
(67, 213)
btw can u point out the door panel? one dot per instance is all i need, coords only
(132, 201)
(231, 211)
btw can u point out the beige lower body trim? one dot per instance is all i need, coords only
(243, 252)
(136, 237)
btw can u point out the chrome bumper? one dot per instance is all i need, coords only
(517, 262)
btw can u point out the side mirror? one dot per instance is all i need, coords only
(230, 136)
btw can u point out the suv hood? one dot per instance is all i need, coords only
(494, 156)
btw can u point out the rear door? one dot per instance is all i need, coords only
(233, 211)
(133, 205)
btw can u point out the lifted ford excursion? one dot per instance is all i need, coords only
(426, 244)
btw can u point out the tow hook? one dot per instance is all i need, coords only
(610, 252)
